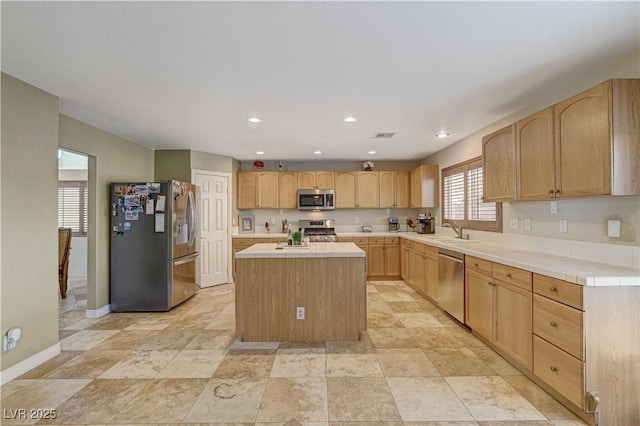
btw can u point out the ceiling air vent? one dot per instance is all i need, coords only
(383, 135)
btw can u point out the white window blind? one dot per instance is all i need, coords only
(72, 206)
(462, 198)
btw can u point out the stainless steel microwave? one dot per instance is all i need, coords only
(316, 199)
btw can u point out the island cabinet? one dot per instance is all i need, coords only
(424, 183)
(257, 190)
(239, 244)
(394, 189)
(499, 307)
(499, 165)
(315, 180)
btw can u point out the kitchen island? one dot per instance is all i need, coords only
(301, 294)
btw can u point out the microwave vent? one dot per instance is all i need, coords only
(382, 135)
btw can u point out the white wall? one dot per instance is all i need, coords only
(587, 217)
(73, 166)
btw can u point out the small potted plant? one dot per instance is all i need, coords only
(297, 238)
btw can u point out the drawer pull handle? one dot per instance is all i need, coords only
(508, 275)
(554, 369)
(553, 324)
(553, 289)
(475, 264)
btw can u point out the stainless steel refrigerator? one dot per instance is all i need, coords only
(154, 245)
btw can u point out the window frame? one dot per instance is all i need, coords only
(82, 185)
(479, 225)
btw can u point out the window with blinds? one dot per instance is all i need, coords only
(72, 206)
(462, 198)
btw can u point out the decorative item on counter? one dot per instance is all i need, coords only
(267, 226)
(367, 165)
(289, 235)
(284, 226)
(258, 164)
(297, 238)
(367, 228)
(411, 224)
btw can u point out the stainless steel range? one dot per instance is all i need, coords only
(321, 230)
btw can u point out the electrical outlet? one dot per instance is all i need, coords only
(273, 220)
(300, 312)
(514, 223)
(554, 207)
(388, 211)
(527, 224)
(613, 228)
(563, 225)
(357, 219)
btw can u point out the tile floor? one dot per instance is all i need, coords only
(414, 365)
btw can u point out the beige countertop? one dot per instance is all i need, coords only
(583, 272)
(262, 250)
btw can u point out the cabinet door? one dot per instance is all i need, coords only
(420, 265)
(583, 143)
(346, 190)
(287, 190)
(401, 189)
(392, 260)
(432, 278)
(424, 186)
(267, 190)
(404, 264)
(368, 190)
(325, 180)
(306, 180)
(387, 190)
(247, 190)
(376, 260)
(480, 304)
(499, 165)
(535, 156)
(514, 322)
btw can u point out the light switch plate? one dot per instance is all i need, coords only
(553, 207)
(514, 223)
(527, 224)
(563, 225)
(613, 228)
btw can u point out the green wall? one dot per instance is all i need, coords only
(111, 159)
(29, 239)
(173, 164)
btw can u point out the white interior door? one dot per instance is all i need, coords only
(214, 228)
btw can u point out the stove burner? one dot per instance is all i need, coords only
(319, 230)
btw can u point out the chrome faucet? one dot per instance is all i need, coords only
(457, 228)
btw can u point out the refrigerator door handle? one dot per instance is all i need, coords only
(186, 259)
(192, 213)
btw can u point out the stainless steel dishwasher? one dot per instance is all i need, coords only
(451, 283)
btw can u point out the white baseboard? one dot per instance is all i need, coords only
(28, 364)
(97, 313)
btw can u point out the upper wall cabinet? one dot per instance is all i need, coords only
(247, 190)
(257, 190)
(368, 190)
(287, 185)
(499, 165)
(424, 186)
(394, 189)
(535, 156)
(316, 180)
(626, 137)
(346, 189)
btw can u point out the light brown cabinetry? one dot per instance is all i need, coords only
(383, 256)
(287, 186)
(424, 186)
(394, 189)
(499, 165)
(535, 156)
(315, 180)
(247, 190)
(346, 190)
(357, 190)
(257, 190)
(419, 268)
(499, 307)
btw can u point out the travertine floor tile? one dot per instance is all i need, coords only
(362, 346)
(361, 399)
(396, 296)
(309, 362)
(413, 307)
(425, 399)
(162, 401)
(406, 363)
(43, 369)
(85, 339)
(150, 323)
(88, 365)
(465, 336)
(228, 401)
(495, 361)
(192, 364)
(126, 339)
(378, 319)
(490, 398)
(35, 394)
(391, 338)
(246, 364)
(212, 339)
(303, 399)
(435, 337)
(458, 362)
(413, 320)
(353, 365)
(543, 402)
(115, 321)
(222, 321)
(166, 340)
(140, 365)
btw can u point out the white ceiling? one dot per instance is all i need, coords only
(174, 75)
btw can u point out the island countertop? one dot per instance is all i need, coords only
(262, 250)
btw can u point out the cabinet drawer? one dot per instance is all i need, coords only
(361, 240)
(478, 265)
(376, 240)
(406, 243)
(391, 240)
(262, 240)
(242, 241)
(431, 251)
(518, 277)
(559, 370)
(345, 239)
(558, 290)
(559, 324)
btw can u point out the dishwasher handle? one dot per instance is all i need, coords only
(452, 255)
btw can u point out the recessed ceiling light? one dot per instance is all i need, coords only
(372, 152)
(317, 152)
(442, 135)
(349, 119)
(260, 152)
(254, 120)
